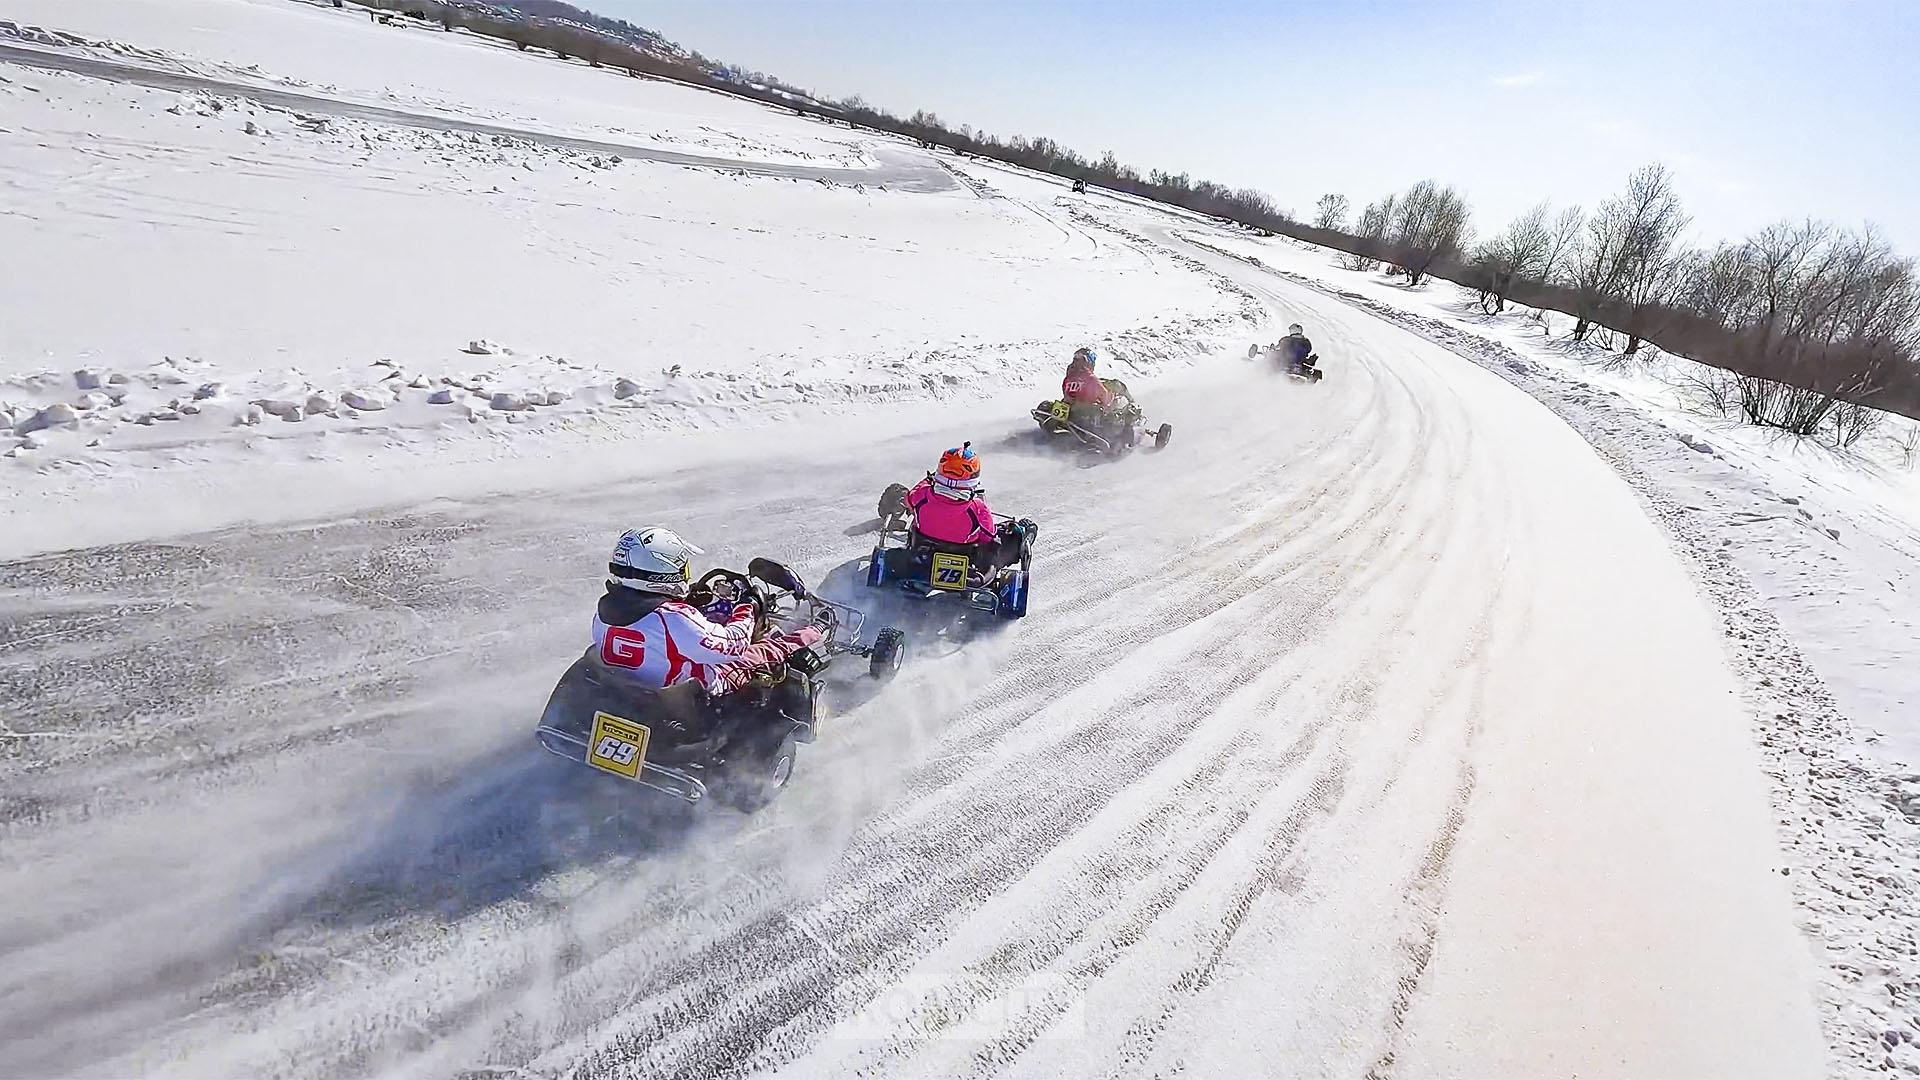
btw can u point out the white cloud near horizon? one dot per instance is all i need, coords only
(1523, 78)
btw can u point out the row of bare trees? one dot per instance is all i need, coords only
(1412, 230)
(1815, 325)
(1814, 320)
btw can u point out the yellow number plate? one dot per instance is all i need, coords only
(949, 570)
(1061, 410)
(617, 746)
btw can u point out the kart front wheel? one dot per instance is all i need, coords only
(889, 652)
(1161, 436)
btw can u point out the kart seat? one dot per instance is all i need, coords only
(918, 541)
(685, 706)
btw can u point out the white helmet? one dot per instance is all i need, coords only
(652, 559)
(1293, 330)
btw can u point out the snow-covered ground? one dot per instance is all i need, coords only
(226, 298)
(1397, 726)
(338, 53)
(1285, 766)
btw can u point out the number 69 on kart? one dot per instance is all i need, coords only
(617, 746)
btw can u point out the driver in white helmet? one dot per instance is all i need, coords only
(645, 627)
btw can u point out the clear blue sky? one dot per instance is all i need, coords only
(1764, 110)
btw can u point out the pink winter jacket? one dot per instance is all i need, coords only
(949, 520)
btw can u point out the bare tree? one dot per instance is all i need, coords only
(1330, 212)
(1720, 287)
(1627, 244)
(1371, 231)
(1428, 223)
(1521, 251)
(1815, 320)
(1563, 246)
(1652, 293)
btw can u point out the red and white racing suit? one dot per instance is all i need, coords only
(676, 643)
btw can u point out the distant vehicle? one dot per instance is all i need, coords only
(1079, 186)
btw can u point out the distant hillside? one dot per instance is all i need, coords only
(620, 29)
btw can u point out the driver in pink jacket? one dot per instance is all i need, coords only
(949, 504)
(951, 507)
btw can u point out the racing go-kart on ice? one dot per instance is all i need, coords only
(738, 749)
(1293, 355)
(1100, 413)
(925, 568)
(1302, 370)
(1106, 431)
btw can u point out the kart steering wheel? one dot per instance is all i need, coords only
(744, 589)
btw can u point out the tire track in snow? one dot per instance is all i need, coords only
(1246, 568)
(1273, 715)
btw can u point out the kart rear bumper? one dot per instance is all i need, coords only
(978, 597)
(678, 782)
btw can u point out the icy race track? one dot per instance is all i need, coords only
(1367, 731)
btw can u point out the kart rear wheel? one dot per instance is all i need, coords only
(1013, 598)
(889, 652)
(1161, 436)
(751, 781)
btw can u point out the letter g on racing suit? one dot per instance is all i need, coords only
(660, 641)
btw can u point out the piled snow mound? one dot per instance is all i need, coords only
(15, 33)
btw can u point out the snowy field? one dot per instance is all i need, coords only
(336, 53)
(1480, 711)
(218, 283)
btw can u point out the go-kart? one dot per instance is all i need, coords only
(925, 568)
(1115, 430)
(1303, 370)
(738, 749)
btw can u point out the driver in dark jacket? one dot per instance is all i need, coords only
(1296, 349)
